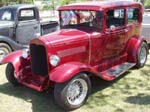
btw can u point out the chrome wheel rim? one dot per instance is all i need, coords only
(3, 53)
(77, 92)
(143, 54)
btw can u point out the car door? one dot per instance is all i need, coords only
(28, 26)
(115, 34)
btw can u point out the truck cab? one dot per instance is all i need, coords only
(18, 25)
(100, 39)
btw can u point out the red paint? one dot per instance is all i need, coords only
(82, 49)
(16, 59)
(66, 71)
(98, 5)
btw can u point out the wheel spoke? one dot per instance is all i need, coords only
(77, 92)
(143, 55)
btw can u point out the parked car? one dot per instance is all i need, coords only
(96, 38)
(18, 25)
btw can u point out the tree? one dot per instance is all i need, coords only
(147, 4)
(143, 2)
(64, 2)
(10, 2)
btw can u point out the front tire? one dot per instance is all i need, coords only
(10, 74)
(73, 94)
(142, 55)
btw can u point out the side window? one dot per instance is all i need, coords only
(133, 15)
(115, 17)
(5, 15)
(27, 14)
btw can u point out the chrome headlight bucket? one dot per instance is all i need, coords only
(25, 53)
(54, 60)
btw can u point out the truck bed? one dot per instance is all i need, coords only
(48, 27)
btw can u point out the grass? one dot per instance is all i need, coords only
(129, 93)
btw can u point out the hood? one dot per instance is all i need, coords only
(64, 36)
(5, 24)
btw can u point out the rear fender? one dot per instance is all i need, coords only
(14, 58)
(133, 46)
(65, 72)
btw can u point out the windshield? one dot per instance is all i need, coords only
(5, 15)
(86, 18)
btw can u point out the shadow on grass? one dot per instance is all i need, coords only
(98, 84)
(140, 99)
(100, 99)
(125, 86)
(44, 101)
(41, 101)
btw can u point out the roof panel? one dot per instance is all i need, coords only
(97, 5)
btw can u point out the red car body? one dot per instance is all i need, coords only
(106, 52)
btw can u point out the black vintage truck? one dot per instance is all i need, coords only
(18, 25)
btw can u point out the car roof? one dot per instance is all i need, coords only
(18, 6)
(99, 5)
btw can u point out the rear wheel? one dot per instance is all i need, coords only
(74, 93)
(142, 55)
(10, 74)
(4, 50)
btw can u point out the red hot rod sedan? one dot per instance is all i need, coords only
(96, 38)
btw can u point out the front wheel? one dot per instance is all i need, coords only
(10, 74)
(74, 93)
(142, 55)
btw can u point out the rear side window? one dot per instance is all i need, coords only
(133, 15)
(115, 17)
(27, 14)
(5, 15)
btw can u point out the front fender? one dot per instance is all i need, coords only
(65, 72)
(132, 48)
(13, 44)
(14, 58)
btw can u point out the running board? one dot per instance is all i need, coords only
(116, 71)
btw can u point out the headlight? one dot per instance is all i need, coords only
(54, 60)
(25, 53)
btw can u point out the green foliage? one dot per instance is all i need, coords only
(65, 2)
(11, 2)
(147, 4)
(51, 5)
(47, 7)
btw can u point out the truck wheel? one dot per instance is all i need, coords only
(73, 94)
(10, 75)
(142, 55)
(4, 50)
